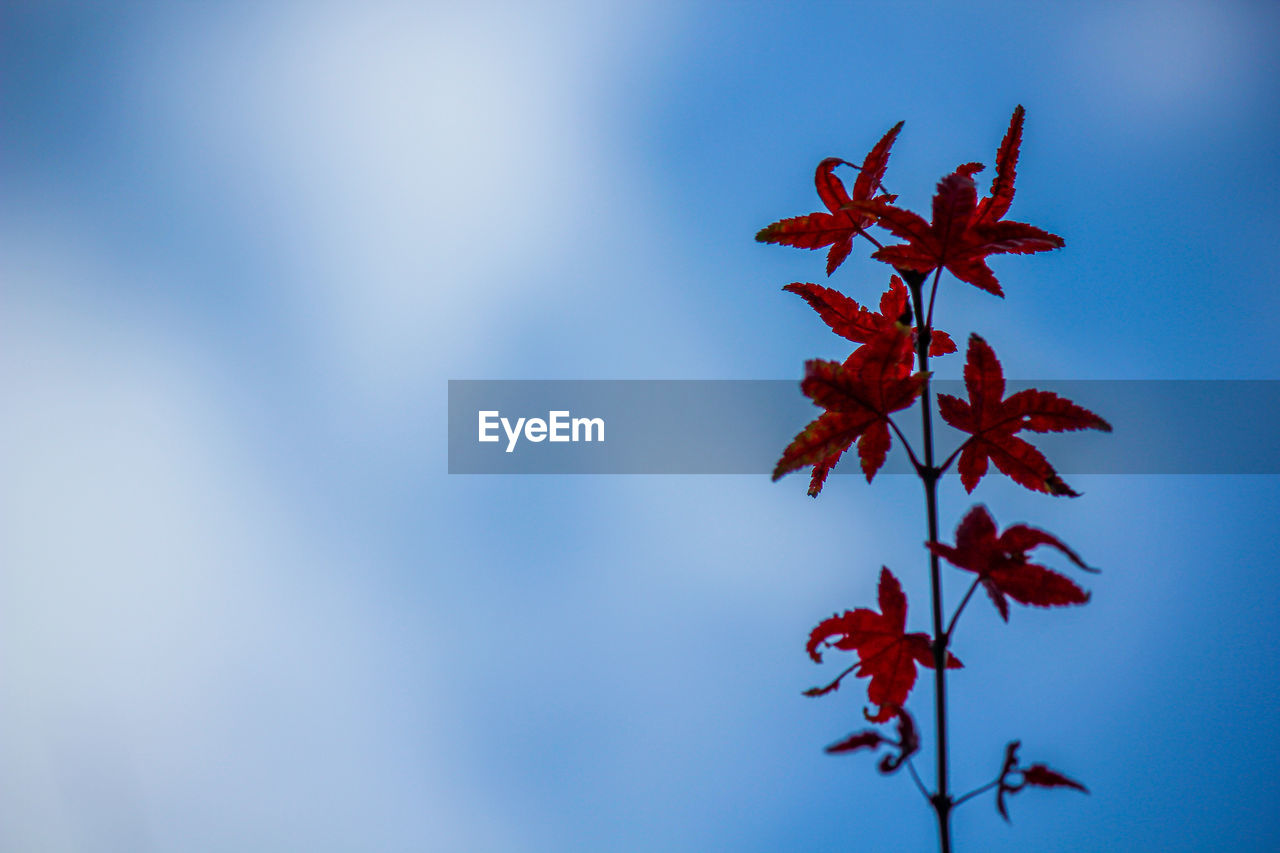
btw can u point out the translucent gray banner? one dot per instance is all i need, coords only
(742, 426)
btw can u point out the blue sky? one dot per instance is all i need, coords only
(244, 247)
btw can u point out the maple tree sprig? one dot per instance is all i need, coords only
(860, 395)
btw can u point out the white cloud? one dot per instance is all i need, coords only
(187, 663)
(414, 165)
(1154, 60)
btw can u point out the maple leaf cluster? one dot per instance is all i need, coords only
(858, 395)
(886, 373)
(963, 232)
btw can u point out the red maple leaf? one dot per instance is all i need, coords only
(1037, 776)
(858, 395)
(1001, 563)
(996, 205)
(838, 227)
(861, 325)
(963, 231)
(885, 653)
(908, 742)
(869, 739)
(991, 420)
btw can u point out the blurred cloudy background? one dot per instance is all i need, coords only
(243, 247)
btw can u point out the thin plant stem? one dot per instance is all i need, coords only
(952, 458)
(975, 792)
(933, 295)
(941, 799)
(920, 785)
(951, 626)
(915, 463)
